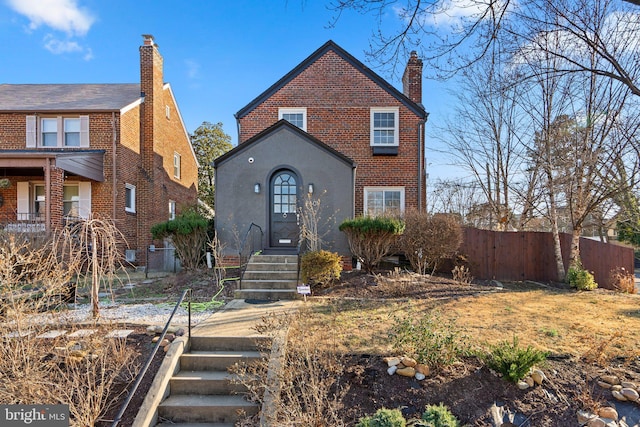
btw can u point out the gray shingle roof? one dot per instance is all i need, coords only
(67, 97)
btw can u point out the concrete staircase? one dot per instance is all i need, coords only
(270, 277)
(201, 392)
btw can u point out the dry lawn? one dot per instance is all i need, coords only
(591, 324)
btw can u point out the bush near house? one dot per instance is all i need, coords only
(384, 418)
(320, 267)
(579, 278)
(428, 239)
(188, 232)
(371, 239)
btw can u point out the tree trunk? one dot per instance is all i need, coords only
(574, 257)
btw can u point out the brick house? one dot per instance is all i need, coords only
(330, 129)
(117, 151)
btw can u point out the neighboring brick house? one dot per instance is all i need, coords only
(117, 151)
(309, 132)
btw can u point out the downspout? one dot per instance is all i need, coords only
(422, 164)
(114, 185)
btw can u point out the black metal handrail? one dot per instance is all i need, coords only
(141, 374)
(247, 250)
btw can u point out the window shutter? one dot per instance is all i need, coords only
(31, 131)
(23, 201)
(84, 203)
(60, 131)
(84, 131)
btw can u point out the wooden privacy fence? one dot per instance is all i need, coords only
(529, 256)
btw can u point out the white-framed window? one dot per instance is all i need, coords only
(383, 201)
(72, 132)
(38, 204)
(172, 209)
(130, 198)
(32, 200)
(57, 132)
(71, 201)
(177, 160)
(167, 111)
(295, 116)
(385, 126)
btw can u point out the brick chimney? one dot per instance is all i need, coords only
(412, 78)
(151, 88)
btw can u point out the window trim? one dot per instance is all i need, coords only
(396, 125)
(35, 134)
(294, 110)
(172, 210)
(132, 206)
(177, 165)
(367, 190)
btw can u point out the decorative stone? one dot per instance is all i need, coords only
(392, 370)
(392, 361)
(420, 376)
(611, 379)
(596, 422)
(406, 372)
(618, 395)
(166, 347)
(616, 387)
(522, 385)
(538, 376)
(165, 343)
(423, 369)
(155, 339)
(628, 384)
(409, 362)
(585, 416)
(529, 381)
(630, 394)
(604, 384)
(608, 412)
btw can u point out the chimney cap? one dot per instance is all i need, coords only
(148, 40)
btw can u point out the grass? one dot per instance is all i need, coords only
(558, 321)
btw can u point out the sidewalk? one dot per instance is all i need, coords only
(238, 318)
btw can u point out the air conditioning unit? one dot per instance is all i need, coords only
(130, 255)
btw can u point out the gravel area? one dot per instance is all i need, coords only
(143, 314)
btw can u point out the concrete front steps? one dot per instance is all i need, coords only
(270, 277)
(201, 393)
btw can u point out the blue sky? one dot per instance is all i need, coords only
(218, 55)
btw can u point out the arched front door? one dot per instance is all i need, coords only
(284, 228)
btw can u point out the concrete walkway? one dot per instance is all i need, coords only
(238, 318)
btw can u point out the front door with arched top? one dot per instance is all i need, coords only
(283, 207)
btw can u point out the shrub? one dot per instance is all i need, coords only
(430, 339)
(188, 232)
(512, 361)
(428, 239)
(320, 267)
(437, 416)
(622, 280)
(371, 239)
(383, 418)
(581, 279)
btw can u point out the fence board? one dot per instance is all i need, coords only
(530, 256)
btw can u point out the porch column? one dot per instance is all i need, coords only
(54, 187)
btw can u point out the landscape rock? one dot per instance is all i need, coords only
(596, 422)
(603, 384)
(630, 394)
(406, 371)
(409, 362)
(618, 395)
(538, 376)
(530, 382)
(608, 412)
(392, 370)
(420, 376)
(628, 384)
(611, 379)
(585, 416)
(423, 369)
(392, 361)
(522, 385)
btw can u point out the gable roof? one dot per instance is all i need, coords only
(332, 46)
(282, 123)
(67, 97)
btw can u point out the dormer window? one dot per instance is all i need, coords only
(295, 116)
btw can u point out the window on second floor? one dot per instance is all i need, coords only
(172, 209)
(385, 130)
(177, 160)
(295, 116)
(57, 132)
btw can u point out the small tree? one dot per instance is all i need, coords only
(371, 239)
(188, 232)
(428, 239)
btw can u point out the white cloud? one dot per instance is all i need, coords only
(61, 15)
(193, 68)
(58, 47)
(450, 14)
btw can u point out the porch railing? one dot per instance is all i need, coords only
(22, 222)
(252, 243)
